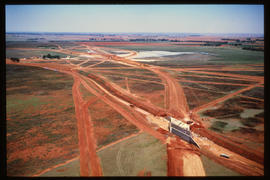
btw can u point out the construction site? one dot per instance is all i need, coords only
(186, 113)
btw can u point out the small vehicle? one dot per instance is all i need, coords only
(131, 105)
(189, 122)
(224, 155)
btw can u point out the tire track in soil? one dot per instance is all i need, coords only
(118, 161)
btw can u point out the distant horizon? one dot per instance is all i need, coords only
(133, 33)
(224, 19)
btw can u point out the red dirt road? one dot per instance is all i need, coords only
(212, 103)
(176, 102)
(84, 169)
(87, 142)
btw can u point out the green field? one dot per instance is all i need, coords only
(129, 157)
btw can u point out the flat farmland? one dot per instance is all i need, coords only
(41, 124)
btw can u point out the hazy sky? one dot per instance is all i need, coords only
(135, 18)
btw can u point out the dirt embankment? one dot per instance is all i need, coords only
(147, 107)
(237, 148)
(235, 162)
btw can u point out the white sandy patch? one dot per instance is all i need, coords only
(85, 55)
(123, 55)
(90, 51)
(90, 56)
(146, 54)
(145, 60)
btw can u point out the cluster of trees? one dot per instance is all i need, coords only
(253, 48)
(214, 43)
(106, 39)
(14, 59)
(49, 56)
(148, 39)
